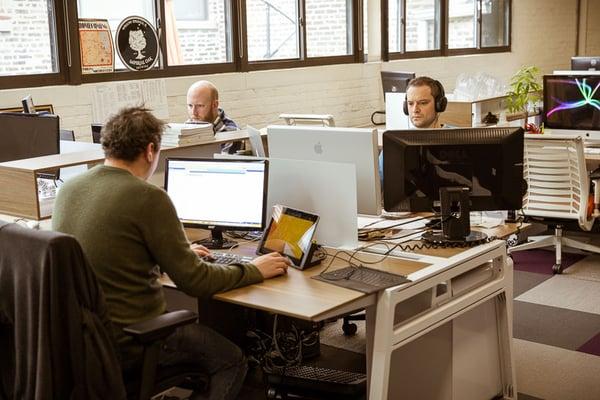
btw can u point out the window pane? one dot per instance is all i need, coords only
(328, 27)
(462, 24)
(186, 10)
(272, 29)
(115, 11)
(198, 32)
(27, 38)
(494, 25)
(394, 26)
(422, 25)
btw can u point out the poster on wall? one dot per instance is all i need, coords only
(137, 43)
(96, 45)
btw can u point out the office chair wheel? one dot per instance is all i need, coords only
(557, 269)
(349, 329)
(273, 393)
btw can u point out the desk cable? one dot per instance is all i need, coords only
(356, 263)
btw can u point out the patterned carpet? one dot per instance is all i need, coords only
(556, 327)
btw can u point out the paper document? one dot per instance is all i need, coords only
(107, 99)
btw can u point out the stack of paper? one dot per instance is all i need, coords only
(186, 134)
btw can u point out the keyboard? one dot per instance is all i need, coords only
(363, 279)
(226, 258)
(317, 380)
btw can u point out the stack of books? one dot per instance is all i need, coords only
(186, 134)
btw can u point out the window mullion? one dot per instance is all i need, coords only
(160, 24)
(402, 24)
(71, 29)
(479, 30)
(302, 45)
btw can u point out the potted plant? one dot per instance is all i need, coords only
(524, 89)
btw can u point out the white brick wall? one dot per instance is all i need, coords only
(543, 34)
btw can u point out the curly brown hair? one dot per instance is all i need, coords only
(127, 133)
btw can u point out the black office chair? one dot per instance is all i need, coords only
(67, 134)
(96, 132)
(55, 335)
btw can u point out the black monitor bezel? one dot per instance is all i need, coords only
(578, 62)
(449, 136)
(55, 129)
(387, 76)
(217, 227)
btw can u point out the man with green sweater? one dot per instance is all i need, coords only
(130, 232)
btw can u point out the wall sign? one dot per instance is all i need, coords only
(137, 43)
(96, 46)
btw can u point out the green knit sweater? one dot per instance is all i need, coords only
(129, 231)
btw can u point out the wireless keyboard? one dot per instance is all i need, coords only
(226, 258)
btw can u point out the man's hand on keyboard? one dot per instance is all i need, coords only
(200, 250)
(272, 264)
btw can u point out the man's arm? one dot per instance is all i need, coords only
(166, 241)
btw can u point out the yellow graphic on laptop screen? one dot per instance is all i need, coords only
(289, 235)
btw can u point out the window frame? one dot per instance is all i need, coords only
(52, 78)
(69, 60)
(303, 60)
(443, 51)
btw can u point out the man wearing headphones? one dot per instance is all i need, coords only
(425, 99)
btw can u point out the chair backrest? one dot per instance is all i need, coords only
(55, 335)
(67, 134)
(308, 119)
(557, 180)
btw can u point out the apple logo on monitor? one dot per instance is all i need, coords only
(318, 148)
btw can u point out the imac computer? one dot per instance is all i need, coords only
(457, 170)
(28, 135)
(343, 145)
(395, 81)
(572, 105)
(585, 63)
(219, 195)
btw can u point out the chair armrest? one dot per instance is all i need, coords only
(160, 327)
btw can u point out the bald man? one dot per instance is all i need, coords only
(203, 106)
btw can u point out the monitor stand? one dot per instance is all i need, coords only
(456, 221)
(216, 241)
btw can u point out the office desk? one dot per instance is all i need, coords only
(450, 337)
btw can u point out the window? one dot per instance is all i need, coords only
(273, 29)
(416, 28)
(195, 37)
(28, 43)
(300, 30)
(189, 10)
(198, 32)
(115, 11)
(328, 28)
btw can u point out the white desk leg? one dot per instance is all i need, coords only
(370, 336)
(504, 315)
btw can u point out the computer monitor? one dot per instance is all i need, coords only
(219, 195)
(395, 81)
(572, 105)
(28, 135)
(344, 145)
(458, 170)
(585, 63)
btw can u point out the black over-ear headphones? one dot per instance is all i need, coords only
(441, 102)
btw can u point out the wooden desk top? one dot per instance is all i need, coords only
(295, 294)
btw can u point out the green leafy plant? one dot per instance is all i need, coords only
(524, 89)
